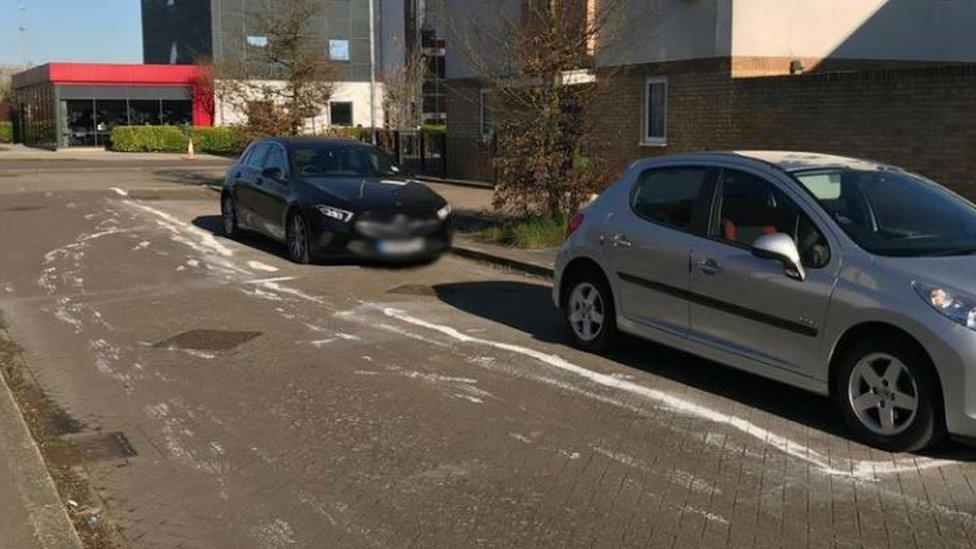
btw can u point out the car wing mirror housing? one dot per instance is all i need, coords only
(780, 247)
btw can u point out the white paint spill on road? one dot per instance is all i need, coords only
(708, 516)
(264, 267)
(204, 239)
(865, 470)
(119, 191)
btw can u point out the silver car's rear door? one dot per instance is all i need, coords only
(649, 241)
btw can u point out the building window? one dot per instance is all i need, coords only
(340, 113)
(339, 50)
(487, 114)
(655, 111)
(257, 41)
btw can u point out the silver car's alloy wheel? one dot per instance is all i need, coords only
(230, 221)
(883, 394)
(586, 311)
(299, 238)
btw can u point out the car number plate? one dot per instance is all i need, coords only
(400, 247)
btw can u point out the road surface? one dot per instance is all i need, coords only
(276, 405)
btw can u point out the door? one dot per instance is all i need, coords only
(245, 175)
(649, 244)
(748, 305)
(271, 195)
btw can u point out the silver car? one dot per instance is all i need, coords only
(844, 277)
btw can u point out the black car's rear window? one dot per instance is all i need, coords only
(341, 160)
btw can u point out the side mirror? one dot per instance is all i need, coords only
(273, 173)
(780, 247)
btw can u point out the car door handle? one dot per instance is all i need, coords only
(621, 240)
(708, 266)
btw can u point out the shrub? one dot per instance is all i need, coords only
(6, 132)
(218, 140)
(529, 232)
(169, 139)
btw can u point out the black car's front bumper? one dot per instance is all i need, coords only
(364, 236)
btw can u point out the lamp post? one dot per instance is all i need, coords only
(372, 71)
(22, 13)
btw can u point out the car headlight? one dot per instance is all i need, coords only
(335, 213)
(958, 307)
(444, 212)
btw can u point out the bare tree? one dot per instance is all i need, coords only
(403, 90)
(539, 67)
(283, 79)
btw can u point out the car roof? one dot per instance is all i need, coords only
(796, 161)
(315, 141)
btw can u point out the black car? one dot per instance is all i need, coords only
(333, 199)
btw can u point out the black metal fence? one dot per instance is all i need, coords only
(433, 153)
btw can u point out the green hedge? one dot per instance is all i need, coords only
(218, 140)
(148, 139)
(173, 139)
(6, 132)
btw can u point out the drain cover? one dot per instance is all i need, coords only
(413, 289)
(92, 447)
(207, 340)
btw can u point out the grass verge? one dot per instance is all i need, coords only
(529, 232)
(48, 423)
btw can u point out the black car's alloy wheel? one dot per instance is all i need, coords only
(889, 395)
(298, 240)
(229, 217)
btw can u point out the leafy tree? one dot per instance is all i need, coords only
(284, 79)
(540, 72)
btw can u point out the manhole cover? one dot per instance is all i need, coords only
(207, 340)
(93, 447)
(413, 289)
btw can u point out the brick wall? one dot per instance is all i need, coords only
(468, 155)
(920, 119)
(923, 119)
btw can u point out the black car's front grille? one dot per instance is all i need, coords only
(397, 224)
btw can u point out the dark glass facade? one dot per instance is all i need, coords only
(183, 31)
(176, 32)
(34, 110)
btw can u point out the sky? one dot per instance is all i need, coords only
(108, 31)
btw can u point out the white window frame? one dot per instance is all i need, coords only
(482, 108)
(648, 140)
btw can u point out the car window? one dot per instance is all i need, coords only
(667, 196)
(890, 212)
(276, 159)
(341, 160)
(256, 158)
(750, 207)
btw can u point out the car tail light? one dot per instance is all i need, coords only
(574, 223)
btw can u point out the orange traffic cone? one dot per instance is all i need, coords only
(190, 153)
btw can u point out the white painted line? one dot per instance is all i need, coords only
(258, 266)
(865, 470)
(267, 280)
